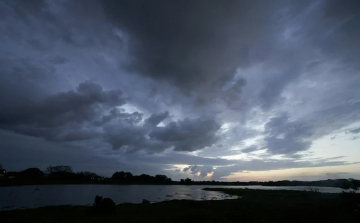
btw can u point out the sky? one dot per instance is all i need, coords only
(210, 90)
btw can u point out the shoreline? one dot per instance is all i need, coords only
(253, 206)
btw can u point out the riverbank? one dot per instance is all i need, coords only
(253, 206)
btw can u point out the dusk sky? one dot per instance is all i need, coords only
(210, 90)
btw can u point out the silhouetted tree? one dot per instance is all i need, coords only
(61, 172)
(122, 176)
(351, 184)
(31, 173)
(162, 179)
(86, 175)
(186, 181)
(128, 176)
(144, 178)
(118, 176)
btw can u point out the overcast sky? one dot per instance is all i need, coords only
(211, 90)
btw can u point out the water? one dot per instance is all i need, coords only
(22, 197)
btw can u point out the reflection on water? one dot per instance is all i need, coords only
(46, 195)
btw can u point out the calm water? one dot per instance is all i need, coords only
(45, 195)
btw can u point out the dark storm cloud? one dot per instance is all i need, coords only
(275, 84)
(56, 116)
(19, 152)
(343, 18)
(174, 158)
(232, 63)
(130, 138)
(328, 27)
(24, 10)
(27, 78)
(334, 117)
(233, 93)
(119, 114)
(155, 119)
(27, 14)
(192, 44)
(19, 80)
(62, 108)
(182, 135)
(285, 136)
(89, 112)
(187, 134)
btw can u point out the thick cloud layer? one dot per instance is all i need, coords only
(188, 135)
(183, 135)
(46, 118)
(195, 45)
(89, 112)
(285, 137)
(201, 89)
(62, 108)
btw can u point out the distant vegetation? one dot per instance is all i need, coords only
(351, 184)
(65, 175)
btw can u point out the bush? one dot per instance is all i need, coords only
(103, 205)
(352, 184)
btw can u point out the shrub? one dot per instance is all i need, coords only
(352, 184)
(103, 205)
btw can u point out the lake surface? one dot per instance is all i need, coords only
(21, 197)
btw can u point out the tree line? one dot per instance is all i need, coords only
(65, 174)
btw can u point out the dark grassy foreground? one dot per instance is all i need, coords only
(254, 206)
